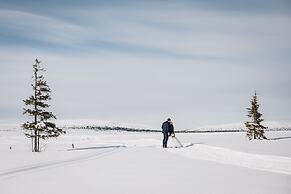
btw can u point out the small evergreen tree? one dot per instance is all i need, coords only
(255, 128)
(40, 127)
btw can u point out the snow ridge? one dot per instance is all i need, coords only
(270, 163)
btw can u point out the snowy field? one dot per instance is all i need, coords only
(135, 163)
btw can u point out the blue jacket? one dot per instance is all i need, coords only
(165, 127)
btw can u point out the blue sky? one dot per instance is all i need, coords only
(198, 62)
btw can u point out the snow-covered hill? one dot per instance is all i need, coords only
(114, 126)
(91, 124)
(272, 126)
(106, 125)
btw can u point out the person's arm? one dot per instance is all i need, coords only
(163, 127)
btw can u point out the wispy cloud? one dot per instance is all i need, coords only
(187, 32)
(38, 27)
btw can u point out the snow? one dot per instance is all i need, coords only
(126, 162)
(269, 163)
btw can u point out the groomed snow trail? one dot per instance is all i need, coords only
(270, 163)
(101, 152)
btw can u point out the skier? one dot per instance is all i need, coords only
(165, 131)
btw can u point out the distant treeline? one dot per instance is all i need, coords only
(115, 128)
(128, 129)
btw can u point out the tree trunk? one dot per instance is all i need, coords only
(38, 142)
(31, 141)
(35, 141)
(35, 116)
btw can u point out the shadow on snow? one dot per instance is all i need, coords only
(278, 138)
(97, 147)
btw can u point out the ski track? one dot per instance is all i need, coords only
(12, 172)
(270, 163)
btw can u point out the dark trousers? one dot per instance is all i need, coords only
(165, 140)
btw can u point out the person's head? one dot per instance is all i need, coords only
(169, 119)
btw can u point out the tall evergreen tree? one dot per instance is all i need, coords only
(255, 128)
(41, 126)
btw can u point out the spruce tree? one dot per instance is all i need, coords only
(41, 126)
(255, 128)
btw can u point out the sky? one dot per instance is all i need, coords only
(140, 62)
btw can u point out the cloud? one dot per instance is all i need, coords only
(38, 27)
(142, 62)
(176, 31)
(137, 88)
